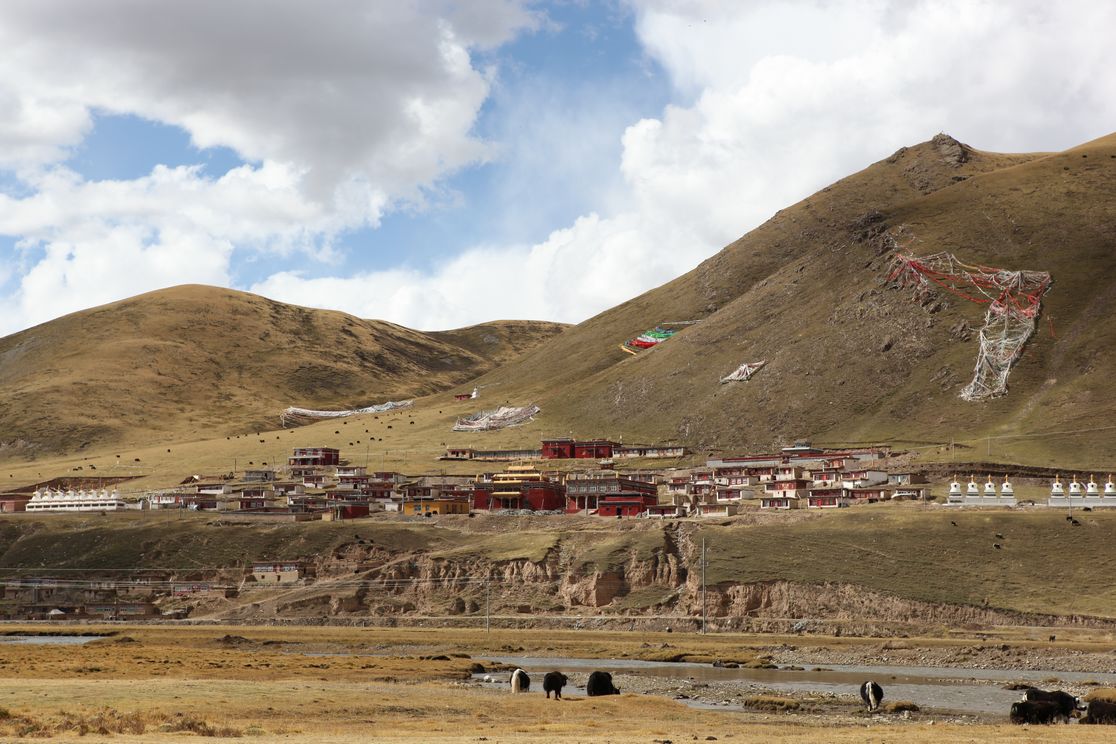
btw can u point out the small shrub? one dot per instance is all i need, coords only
(771, 703)
(901, 706)
(192, 725)
(104, 722)
(1107, 694)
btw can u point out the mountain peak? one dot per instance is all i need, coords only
(953, 152)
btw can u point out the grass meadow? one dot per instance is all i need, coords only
(166, 683)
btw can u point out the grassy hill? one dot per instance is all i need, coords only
(850, 359)
(194, 362)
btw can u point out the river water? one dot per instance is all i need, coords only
(48, 640)
(945, 689)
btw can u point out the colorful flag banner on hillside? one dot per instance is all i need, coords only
(650, 338)
(1014, 300)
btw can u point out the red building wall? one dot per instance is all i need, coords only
(539, 496)
(482, 497)
(627, 506)
(317, 456)
(544, 496)
(557, 449)
(593, 450)
(351, 511)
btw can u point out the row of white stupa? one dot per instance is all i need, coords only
(1087, 494)
(972, 495)
(1090, 496)
(71, 501)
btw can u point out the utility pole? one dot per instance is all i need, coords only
(487, 606)
(703, 604)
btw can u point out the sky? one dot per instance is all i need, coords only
(439, 163)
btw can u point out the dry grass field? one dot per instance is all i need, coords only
(160, 684)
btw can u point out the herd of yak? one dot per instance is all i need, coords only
(600, 683)
(1036, 707)
(1041, 706)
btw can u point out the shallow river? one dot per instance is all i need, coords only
(955, 690)
(49, 640)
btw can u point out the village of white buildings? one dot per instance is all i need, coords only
(318, 483)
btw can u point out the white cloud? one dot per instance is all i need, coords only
(106, 265)
(85, 243)
(342, 108)
(773, 101)
(821, 90)
(576, 271)
(339, 88)
(780, 100)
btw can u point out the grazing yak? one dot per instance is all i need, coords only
(600, 683)
(871, 694)
(520, 682)
(1100, 711)
(1034, 711)
(554, 682)
(1063, 701)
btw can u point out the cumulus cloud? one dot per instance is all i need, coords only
(109, 263)
(341, 109)
(575, 268)
(776, 100)
(85, 243)
(384, 91)
(851, 83)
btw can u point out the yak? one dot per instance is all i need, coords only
(600, 683)
(554, 682)
(871, 694)
(520, 682)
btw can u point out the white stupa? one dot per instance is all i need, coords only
(1091, 489)
(1075, 488)
(989, 489)
(973, 489)
(1110, 488)
(1057, 490)
(955, 494)
(71, 501)
(1007, 492)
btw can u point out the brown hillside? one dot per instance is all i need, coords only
(850, 359)
(194, 362)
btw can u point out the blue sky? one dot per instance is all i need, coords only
(414, 161)
(126, 146)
